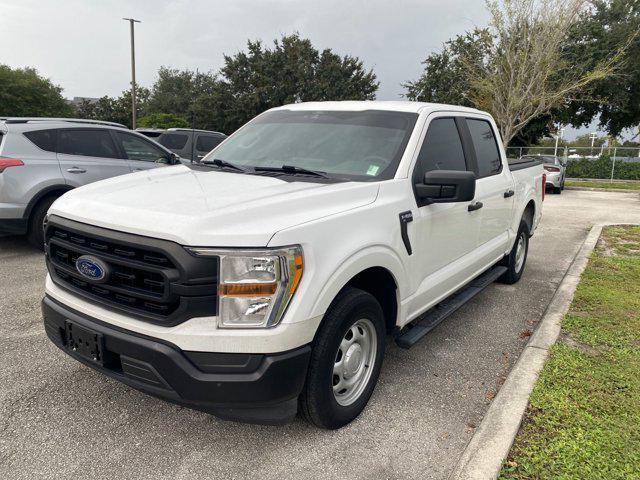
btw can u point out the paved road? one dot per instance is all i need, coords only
(60, 419)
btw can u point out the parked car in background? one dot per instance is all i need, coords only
(190, 144)
(152, 133)
(555, 170)
(42, 158)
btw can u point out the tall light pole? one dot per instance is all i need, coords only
(133, 72)
(593, 137)
(558, 137)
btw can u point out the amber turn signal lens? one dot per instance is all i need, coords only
(297, 274)
(247, 289)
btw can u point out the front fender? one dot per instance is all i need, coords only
(352, 265)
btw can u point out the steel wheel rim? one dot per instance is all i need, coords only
(354, 361)
(520, 251)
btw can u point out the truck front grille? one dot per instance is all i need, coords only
(156, 280)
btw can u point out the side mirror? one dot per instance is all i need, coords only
(174, 159)
(444, 186)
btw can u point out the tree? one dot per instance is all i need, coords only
(292, 71)
(24, 93)
(114, 109)
(527, 73)
(162, 120)
(179, 91)
(444, 79)
(614, 99)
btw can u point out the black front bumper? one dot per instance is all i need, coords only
(257, 388)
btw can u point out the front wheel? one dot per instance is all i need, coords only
(517, 258)
(35, 233)
(345, 361)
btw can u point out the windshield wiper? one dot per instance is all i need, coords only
(224, 164)
(290, 169)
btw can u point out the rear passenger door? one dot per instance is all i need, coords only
(87, 155)
(493, 181)
(140, 153)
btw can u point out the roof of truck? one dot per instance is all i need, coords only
(392, 105)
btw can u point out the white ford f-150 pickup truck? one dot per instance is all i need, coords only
(266, 279)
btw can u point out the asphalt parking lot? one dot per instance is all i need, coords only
(59, 419)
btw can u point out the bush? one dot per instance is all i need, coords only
(162, 120)
(601, 168)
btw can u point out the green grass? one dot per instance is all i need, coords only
(583, 419)
(615, 185)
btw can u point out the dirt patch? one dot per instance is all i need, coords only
(567, 339)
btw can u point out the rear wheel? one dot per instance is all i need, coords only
(346, 360)
(517, 258)
(35, 232)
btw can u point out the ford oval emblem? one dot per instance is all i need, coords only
(92, 268)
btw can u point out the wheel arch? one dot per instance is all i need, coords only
(45, 192)
(379, 272)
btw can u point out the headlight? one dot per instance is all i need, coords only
(255, 285)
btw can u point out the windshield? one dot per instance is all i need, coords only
(363, 145)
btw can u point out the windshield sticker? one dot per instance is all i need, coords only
(373, 170)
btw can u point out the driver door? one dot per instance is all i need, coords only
(140, 153)
(445, 234)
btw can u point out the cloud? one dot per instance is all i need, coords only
(84, 45)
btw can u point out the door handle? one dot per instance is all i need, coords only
(137, 169)
(475, 206)
(509, 193)
(76, 170)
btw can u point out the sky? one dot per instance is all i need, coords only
(83, 46)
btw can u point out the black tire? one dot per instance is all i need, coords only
(558, 190)
(512, 275)
(317, 402)
(35, 232)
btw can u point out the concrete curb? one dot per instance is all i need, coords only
(596, 189)
(482, 458)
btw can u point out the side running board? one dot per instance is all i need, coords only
(430, 319)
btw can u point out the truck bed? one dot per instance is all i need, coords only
(520, 163)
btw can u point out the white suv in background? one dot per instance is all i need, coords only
(42, 158)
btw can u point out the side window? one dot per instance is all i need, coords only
(89, 143)
(441, 149)
(137, 148)
(173, 141)
(486, 147)
(206, 143)
(44, 139)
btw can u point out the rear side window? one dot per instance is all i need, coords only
(486, 147)
(43, 139)
(206, 143)
(173, 141)
(441, 149)
(88, 143)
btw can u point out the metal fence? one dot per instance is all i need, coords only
(615, 154)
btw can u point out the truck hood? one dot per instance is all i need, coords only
(208, 208)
